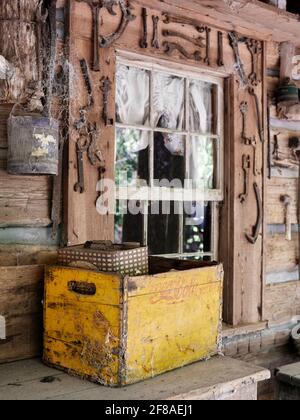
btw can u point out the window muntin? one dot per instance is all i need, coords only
(167, 132)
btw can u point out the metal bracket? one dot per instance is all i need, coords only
(127, 17)
(257, 227)
(172, 46)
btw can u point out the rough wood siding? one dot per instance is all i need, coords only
(282, 302)
(25, 201)
(21, 293)
(282, 298)
(18, 25)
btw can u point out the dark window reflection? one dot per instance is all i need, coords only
(169, 162)
(197, 229)
(163, 229)
(132, 157)
(129, 227)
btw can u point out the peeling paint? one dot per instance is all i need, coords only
(45, 141)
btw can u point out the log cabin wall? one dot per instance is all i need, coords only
(250, 292)
(282, 295)
(26, 242)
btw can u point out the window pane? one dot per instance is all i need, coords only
(132, 96)
(163, 228)
(201, 99)
(169, 157)
(168, 101)
(203, 163)
(197, 227)
(132, 157)
(129, 225)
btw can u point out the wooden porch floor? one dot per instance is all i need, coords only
(31, 380)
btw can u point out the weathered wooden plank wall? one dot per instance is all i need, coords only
(25, 201)
(21, 294)
(282, 299)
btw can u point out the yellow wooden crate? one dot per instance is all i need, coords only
(118, 330)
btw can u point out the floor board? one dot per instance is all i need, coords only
(31, 380)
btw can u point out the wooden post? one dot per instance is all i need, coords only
(287, 52)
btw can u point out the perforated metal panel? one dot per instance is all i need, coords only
(133, 262)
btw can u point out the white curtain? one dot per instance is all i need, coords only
(201, 159)
(133, 99)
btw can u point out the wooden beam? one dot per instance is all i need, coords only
(287, 52)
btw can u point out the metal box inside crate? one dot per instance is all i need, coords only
(126, 259)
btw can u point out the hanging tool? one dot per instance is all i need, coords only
(155, 41)
(81, 148)
(249, 141)
(255, 49)
(126, 17)
(287, 201)
(106, 87)
(207, 57)
(258, 116)
(41, 19)
(257, 227)
(96, 6)
(276, 149)
(269, 138)
(246, 168)
(144, 40)
(88, 83)
(172, 46)
(198, 42)
(183, 20)
(220, 61)
(234, 43)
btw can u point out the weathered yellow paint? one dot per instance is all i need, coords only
(132, 328)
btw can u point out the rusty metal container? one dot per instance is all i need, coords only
(33, 143)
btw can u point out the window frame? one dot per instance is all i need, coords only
(151, 193)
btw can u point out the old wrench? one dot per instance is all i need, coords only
(207, 57)
(220, 49)
(234, 43)
(255, 50)
(155, 41)
(183, 20)
(258, 117)
(95, 6)
(81, 148)
(248, 141)
(246, 169)
(144, 40)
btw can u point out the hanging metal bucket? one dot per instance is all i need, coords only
(33, 143)
(288, 92)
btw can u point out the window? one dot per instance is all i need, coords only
(293, 7)
(168, 166)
